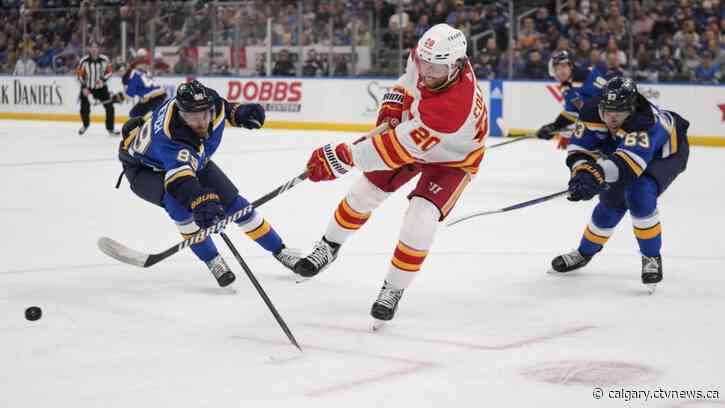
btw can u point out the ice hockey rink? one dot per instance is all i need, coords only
(483, 324)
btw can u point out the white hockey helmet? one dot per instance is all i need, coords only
(443, 44)
(141, 53)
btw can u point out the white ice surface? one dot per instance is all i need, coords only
(479, 320)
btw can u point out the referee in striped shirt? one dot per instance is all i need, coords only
(94, 70)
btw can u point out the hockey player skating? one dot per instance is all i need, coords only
(439, 122)
(139, 84)
(166, 157)
(627, 151)
(577, 85)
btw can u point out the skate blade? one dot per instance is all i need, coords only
(378, 324)
(651, 287)
(301, 279)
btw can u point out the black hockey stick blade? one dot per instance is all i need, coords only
(122, 253)
(261, 292)
(529, 203)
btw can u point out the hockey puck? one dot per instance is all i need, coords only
(33, 313)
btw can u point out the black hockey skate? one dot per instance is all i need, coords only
(323, 254)
(570, 261)
(82, 130)
(384, 308)
(219, 268)
(288, 257)
(651, 271)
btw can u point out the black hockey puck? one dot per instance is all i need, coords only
(33, 313)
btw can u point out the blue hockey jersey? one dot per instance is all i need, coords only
(649, 134)
(162, 141)
(586, 83)
(139, 83)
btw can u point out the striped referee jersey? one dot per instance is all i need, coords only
(90, 70)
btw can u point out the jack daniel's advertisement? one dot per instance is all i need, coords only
(30, 92)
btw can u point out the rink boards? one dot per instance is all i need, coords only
(351, 104)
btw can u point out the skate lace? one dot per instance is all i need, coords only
(217, 266)
(288, 257)
(572, 258)
(651, 265)
(321, 255)
(389, 297)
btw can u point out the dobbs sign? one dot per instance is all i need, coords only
(275, 96)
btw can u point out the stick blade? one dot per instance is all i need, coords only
(122, 253)
(502, 125)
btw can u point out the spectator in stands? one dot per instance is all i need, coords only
(422, 25)
(614, 64)
(440, 13)
(536, 68)
(477, 24)
(643, 23)
(483, 67)
(528, 34)
(459, 10)
(341, 67)
(185, 65)
(707, 72)
(313, 66)
(25, 65)
(581, 55)
(283, 66)
(667, 67)
(690, 62)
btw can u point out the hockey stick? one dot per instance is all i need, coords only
(529, 203)
(130, 256)
(122, 253)
(261, 291)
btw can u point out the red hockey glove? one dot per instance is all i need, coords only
(328, 163)
(395, 102)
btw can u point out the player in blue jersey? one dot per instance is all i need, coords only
(578, 85)
(627, 151)
(139, 84)
(166, 157)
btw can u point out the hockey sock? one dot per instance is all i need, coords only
(354, 210)
(205, 250)
(648, 231)
(256, 227)
(416, 238)
(642, 201)
(600, 228)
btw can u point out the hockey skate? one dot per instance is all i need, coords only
(82, 130)
(323, 254)
(569, 261)
(114, 133)
(384, 308)
(219, 268)
(651, 272)
(288, 257)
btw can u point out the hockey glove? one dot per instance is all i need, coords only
(250, 115)
(546, 132)
(206, 208)
(395, 102)
(328, 163)
(587, 180)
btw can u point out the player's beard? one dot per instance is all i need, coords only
(200, 131)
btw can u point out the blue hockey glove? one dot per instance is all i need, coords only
(207, 209)
(587, 180)
(250, 115)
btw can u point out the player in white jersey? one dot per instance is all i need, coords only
(438, 122)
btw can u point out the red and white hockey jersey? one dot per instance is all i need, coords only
(445, 128)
